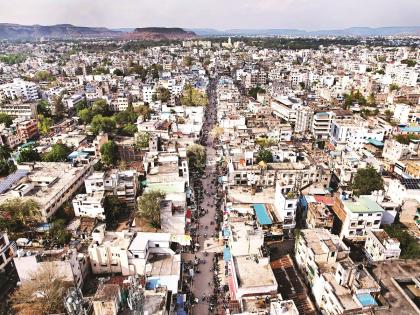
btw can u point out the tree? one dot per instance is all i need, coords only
(58, 153)
(410, 248)
(114, 208)
(4, 152)
(367, 180)
(143, 110)
(101, 107)
(254, 91)
(28, 154)
(142, 141)
(58, 233)
(59, 108)
(125, 117)
(196, 157)
(44, 124)
(394, 87)
(371, 101)
(388, 115)
(43, 108)
(43, 294)
(193, 97)
(149, 206)
(6, 167)
(162, 95)
(6, 119)
(18, 213)
(102, 124)
(409, 62)
(118, 72)
(188, 61)
(109, 153)
(129, 129)
(85, 115)
(264, 155)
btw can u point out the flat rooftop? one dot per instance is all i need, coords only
(363, 204)
(251, 273)
(163, 265)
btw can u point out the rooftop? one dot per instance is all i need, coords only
(364, 204)
(252, 272)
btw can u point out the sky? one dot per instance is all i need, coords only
(219, 14)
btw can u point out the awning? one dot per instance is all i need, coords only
(226, 254)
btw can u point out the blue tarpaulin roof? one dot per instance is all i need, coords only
(226, 232)
(376, 143)
(152, 283)
(226, 254)
(262, 215)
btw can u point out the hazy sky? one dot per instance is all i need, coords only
(220, 14)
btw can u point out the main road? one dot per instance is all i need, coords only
(203, 281)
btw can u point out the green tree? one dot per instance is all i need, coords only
(394, 87)
(43, 108)
(43, 76)
(109, 153)
(149, 206)
(58, 153)
(114, 209)
(409, 62)
(4, 152)
(162, 94)
(101, 107)
(410, 248)
(388, 115)
(6, 119)
(143, 110)
(371, 101)
(193, 97)
(254, 91)
(125, 117)
(28, 154)
(188, 60)
(59, 108)
(102, 124)
(367, 180)
(196, 157)
(264, 155)
(44, 124)
(129, 129)
(18, 213)
(85, 115)
(142, 141)
(6, 167)
(58, 233)
(118, 72)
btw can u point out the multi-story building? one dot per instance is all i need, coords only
(19, 110)
(357, 216)
(380, 247)
(69, 264)
(20, 89)
(123, 184)
(49, 184)
(321, 124)
(90, 205)
(285, 202)
(27, 129)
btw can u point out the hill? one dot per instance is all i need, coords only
(160, 33)
(63, 31)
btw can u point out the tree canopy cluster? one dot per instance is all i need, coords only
(149, 207)
(193, 97)
(366, 181)
(196, 154)
(6, 165)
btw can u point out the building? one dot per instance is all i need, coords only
(19, 110)
(90, 205)
(50, 184)
(380, 247)
(27, 129)
(107, 300)
(123, 184)
(321, 125)
(285, 202)
(357, 216)
(19, 88)
(69, 264)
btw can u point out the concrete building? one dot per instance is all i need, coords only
(20, 89)
(107, 300)
(357, 216)
(285, 202)
(50, 184)
(19, 110)
(89, 205)
(380, 247)
(67, 263)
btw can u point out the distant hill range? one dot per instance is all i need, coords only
(66, 31)
(159, 33)
(353, 31)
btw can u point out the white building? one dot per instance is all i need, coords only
(20, 89)
(89, 205)
(380, 247)
(285, 203)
